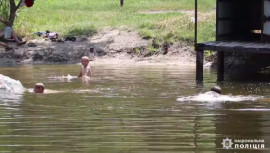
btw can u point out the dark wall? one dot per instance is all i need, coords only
(236, 19)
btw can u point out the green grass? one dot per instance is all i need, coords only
(85, 17)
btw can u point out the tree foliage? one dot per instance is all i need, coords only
(4, 9)
(8, 9)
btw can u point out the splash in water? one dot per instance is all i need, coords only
(11, 85)
(211, 96)
(10, 89)
(68, 77)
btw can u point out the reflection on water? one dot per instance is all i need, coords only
(129, 109)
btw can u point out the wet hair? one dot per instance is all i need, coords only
(216, 89)
(85, 57)
(40, 84)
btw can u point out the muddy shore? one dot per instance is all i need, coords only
(110, 46)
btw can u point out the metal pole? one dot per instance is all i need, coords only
(220, 66)
(199, 65)
(262, 21)
(196, 19)
(200, 52)
(217, 20)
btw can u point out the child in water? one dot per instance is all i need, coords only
(86, 69)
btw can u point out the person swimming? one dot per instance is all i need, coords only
(216, 89)
(39, 88)
(13, 89)
(214, 95)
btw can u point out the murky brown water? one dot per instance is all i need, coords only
(130, 109)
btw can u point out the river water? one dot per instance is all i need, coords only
(133, 108)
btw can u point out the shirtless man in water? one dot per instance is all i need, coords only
(40, 88)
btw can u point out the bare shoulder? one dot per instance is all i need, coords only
(49, 91)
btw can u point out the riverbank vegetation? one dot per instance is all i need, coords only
(162, 21)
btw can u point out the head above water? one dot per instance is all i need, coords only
(216, 89)
(39, 88)
(85, 61)
(85, 57)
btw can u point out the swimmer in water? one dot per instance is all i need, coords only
(216, 89)
(40, 88)
(214, 95)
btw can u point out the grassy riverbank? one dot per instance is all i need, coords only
(160, 20)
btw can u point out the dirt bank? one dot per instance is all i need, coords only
(112, 46)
